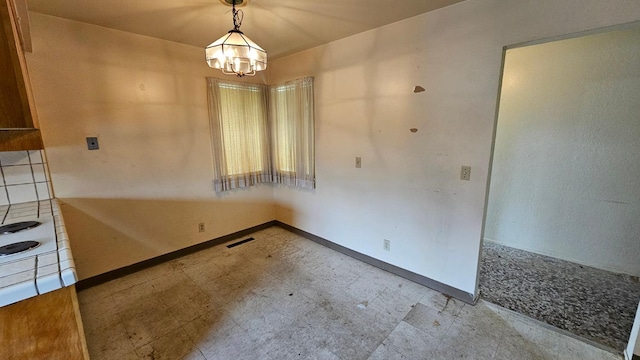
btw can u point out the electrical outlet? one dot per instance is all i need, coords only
(92, 143)
(358, 162)
(465, 173)
(387, 245)
(201, 227)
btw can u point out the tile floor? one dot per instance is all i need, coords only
(285, 297)
(595, 304)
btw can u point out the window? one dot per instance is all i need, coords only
(259, 140)
(292, 133)
(240, 133)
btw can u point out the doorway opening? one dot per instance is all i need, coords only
(561, 236)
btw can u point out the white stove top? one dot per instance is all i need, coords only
(45, 234)
(40, 270)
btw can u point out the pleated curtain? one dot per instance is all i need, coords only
(291, 115)
(240, 134)
(262, 134)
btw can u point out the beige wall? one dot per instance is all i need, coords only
(566, 171)
(408, 190)
(144, 192)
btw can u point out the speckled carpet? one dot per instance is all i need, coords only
(594, 304)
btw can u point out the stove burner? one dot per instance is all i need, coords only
(19, 226)
(18, 247)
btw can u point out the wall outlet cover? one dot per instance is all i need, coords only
(92, 143)
(465, 173)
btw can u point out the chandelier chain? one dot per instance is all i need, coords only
(238, 16)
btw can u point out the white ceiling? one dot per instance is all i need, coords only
(281, 27)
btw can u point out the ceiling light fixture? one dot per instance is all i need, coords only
(234, 53)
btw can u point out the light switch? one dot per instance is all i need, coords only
(465, 173)
(358, 162)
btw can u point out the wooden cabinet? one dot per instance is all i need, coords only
(43, 327)
(18, 119)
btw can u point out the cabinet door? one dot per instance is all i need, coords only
(16, 106)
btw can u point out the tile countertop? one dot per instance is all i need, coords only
(43, 272)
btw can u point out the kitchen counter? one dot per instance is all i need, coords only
(43, 269)
(43, 327)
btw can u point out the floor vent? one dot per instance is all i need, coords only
(239, 243)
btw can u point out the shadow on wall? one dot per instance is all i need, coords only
(107, 234)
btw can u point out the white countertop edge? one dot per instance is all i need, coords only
(17, 292)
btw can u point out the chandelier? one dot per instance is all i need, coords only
(234, 53)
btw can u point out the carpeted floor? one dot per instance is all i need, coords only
(595, 304)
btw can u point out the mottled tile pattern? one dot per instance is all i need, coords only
(286, 297)
(595, 304)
